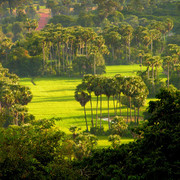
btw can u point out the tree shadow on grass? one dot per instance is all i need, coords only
(60, 90)
(54, 99)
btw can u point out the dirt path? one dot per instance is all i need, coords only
(44, 17)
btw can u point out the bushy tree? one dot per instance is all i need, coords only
(33, 151)
(13, 97)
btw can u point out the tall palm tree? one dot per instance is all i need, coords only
(82, 97)
(141, 54)
(113, 40)
(88, 81)
(98, 47)
(167, 62)
(128, 90)
(108, 91)
(97, 89)
(119, 81)
(147, 63)
(127, 33)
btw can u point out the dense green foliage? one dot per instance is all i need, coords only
(81, 38)
(153, 156)
(13, 98)
(33, 151)
(40, 150)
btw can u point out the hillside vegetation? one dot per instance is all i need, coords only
(89, 89)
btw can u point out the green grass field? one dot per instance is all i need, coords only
(54, 97)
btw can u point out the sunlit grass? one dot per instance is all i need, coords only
(54, 97)
(124, 70)
(103, 141)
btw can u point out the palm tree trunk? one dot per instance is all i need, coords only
(120, 103)
(127, 114)
(59, 60)
(85, 119)
(86, 49)
(100, 111)
(129, 48)
(23, 118)
(16, 119)
(130, 108)
(138, 116)
(134, 114)
(151, 46)
(97, 111)
(153, 78)
(113, 53)
(153, 73)
(108, 114)
(92, 121)
(115, 113)
(156, 72)
(63, 60)
(168, 76)
(126, 52)
(148, 71)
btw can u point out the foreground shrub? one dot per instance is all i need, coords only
(26, 151)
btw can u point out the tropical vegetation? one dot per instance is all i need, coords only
(76, 46)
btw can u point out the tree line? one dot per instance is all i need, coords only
(133, 88)
(62, 50)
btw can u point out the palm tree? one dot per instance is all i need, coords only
(154, 35)
(138, 34)
(119, 81)
(153, 61)
(31, 24)
(97, 88)
(147, 63)
(127, 32)
(113, 40)
(157, 65)
(87, 36)
(129, 90)
(108, 91)
(98, 47)
(88, 81)
(82, 97)
(141, 54)
(167, 62)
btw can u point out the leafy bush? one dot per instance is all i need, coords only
(115, 139)
(84, 144)
(27, 150)
(97, 130)
(118, 126)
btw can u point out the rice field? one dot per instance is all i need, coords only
(53, 97)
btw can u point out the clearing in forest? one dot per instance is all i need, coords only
(44, 17)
